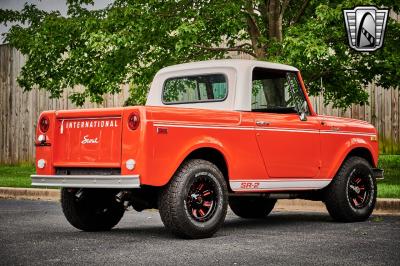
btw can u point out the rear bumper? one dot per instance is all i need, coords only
(378, 173)
(87, 181)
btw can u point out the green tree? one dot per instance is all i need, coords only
(130, 40)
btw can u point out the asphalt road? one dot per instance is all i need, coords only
(35, 232)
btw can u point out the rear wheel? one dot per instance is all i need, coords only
(94, 210)
(351, 196)
(251, 207)
(194, 203)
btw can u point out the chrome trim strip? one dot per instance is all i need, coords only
(279, 184)
(347, 133)
(199, 126)
(87, 181)
(88, 118)
(313, 131)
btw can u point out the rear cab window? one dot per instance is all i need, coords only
(196, 88)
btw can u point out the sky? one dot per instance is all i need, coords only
(47, 5)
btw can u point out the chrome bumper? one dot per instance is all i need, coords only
(378, 173)
(87, 181)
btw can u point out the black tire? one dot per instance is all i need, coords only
(96, 210)
(251, 207)
(194, 203)
(351, 196)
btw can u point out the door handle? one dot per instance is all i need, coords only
(262, 123)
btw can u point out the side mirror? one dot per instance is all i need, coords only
(303, 111)
(303, 116)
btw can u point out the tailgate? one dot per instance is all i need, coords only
(90, 140)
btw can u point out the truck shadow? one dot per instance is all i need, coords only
(125, 234)
(276, 221)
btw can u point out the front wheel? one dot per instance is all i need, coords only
(351, 196)
(194, 203)
(95, 210)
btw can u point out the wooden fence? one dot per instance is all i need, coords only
(20, 111)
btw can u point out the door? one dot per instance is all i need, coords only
(290, 146)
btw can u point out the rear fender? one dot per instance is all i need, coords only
(161, 178)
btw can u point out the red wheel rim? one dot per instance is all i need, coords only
(359, 190)
(201, 200)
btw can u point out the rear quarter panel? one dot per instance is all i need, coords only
(175, 132)
(134, 144)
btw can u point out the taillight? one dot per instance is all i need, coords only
(133, 121)
(44, 124)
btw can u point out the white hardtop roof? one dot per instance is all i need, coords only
(239, 64)
(238, 71)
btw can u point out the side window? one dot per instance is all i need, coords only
(201, 88)
(276, 92)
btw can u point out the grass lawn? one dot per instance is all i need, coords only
(18, 176)
(390, 186)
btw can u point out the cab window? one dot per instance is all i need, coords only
(276, 92)
(199, 88)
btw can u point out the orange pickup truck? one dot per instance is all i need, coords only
(215, 133)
